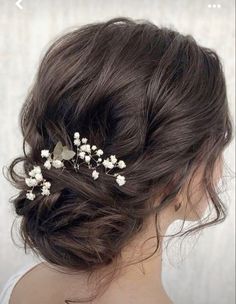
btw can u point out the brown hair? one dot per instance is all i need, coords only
(149, 95)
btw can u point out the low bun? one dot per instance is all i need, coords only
(89, 239)
(81, 225)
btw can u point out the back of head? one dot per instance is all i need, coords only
(149, 95)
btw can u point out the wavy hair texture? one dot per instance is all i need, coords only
(148, 94)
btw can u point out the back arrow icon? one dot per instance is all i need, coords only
(18, 4)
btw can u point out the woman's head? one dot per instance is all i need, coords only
(149, 95)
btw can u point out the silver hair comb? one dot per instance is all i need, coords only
(61, 153)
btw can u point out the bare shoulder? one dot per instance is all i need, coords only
(28, 288)
(43, 284)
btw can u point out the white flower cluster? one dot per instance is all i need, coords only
(35, 179)
(109, 163)
(84, 151)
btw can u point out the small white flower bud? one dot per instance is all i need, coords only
(45, 153)
(83, 148)
(57, 163)
(108, 164)
(47, 164)
(88, 148)
(47, 185)
(87, 158)
(120, 180)
(31, 182)
(121, 164)
(84, 140)
(37, 169)
(32, 173)
(45, 191)
(105, 163)
(77, 142)
(76, 135)
(30, 196)
(113, 159)
(95, 174)
(39, 177)
(99, 152)
(81, 155)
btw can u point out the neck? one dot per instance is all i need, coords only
(141, 282)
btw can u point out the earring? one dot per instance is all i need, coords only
(177, 206)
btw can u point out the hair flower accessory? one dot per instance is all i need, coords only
(61, 153)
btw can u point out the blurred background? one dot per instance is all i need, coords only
(198, 271)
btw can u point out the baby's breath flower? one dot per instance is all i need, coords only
(39, 177)
(77, 142)
(88, 148)
(47, 164)
(95, 174)
(57, 163)
(30, 196)
(99, 152)
(84, 140)
(121, 164)
(47, 185)
(45, 153)
(108, 164)
(113, 159)
(32, 173)
(76, 135)
(31, 182)
(82, 155)
(120, 179)
(85, 148)
(87, 158)
(45, 191)
(63, 153)
(37, 169)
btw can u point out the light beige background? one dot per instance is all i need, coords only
(203, 271)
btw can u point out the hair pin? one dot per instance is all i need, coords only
(61, 153)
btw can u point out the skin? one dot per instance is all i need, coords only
(137, 284)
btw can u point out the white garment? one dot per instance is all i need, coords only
(11, 282)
